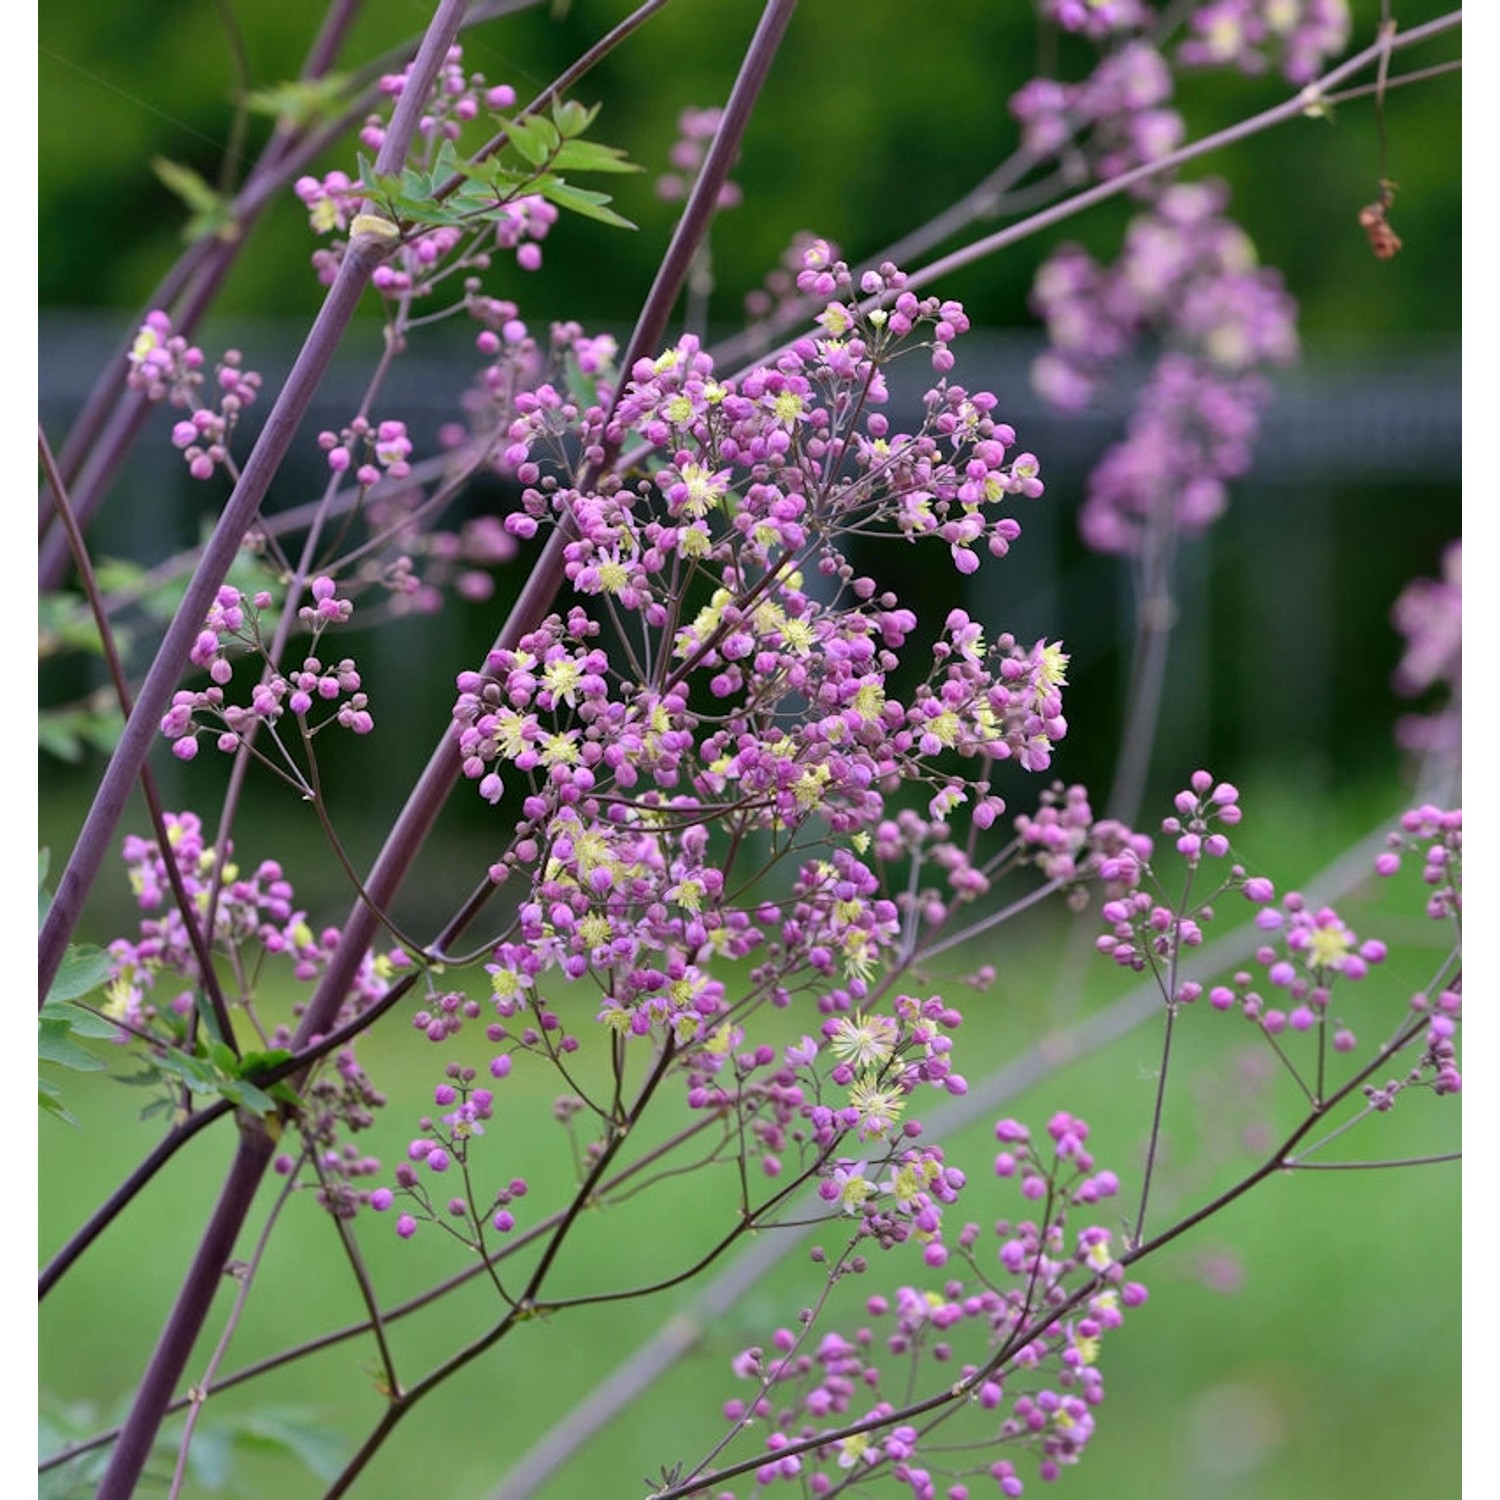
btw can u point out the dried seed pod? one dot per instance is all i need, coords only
(1384, 240)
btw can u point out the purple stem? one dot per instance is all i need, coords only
(364, 253)
(193, 924)
(416, 818)
(541, 586)
(1291, 109)
(203, 268)
(254, 1152)
(176, 1342)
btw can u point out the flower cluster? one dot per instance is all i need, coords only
(1246, 34)
(1437, 836)
(1434, 836)
(337, 1105)
(745, 692)
(204, 437)
(696, 129)
(752, 491)
(1067, 844)
(1146, 928)
(164, 366)
(1320, 949)
(1249, 36)
(1429, 614)
(373, 449)
(156, 986)
(444, 1144)
(425, 260)
(1020, 1336)
(155, 976)
(1187, 278)
(1437, 1068)
(409, 557)
(1098, 19)
(776, 302)
(816, 1097)
(1115, 119)
(768, 481)
(233, 623)
(619, 784)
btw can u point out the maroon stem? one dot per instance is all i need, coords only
(254, 1152)
(364, 253)
(416, 818)
(437, 780)
(176, 1342)
(199, 274)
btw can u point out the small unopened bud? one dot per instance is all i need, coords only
(381, 228)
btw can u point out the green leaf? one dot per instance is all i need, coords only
(196, 1073)
(263, 1062)
(534, 139)
(186, 184)
(210, 1454)
(115, 574)
(415, 184)
(60, 1425)
(247, 1096)
(210, 213)
(448, 164)
(68, 733)
(591, 156)
(49, 1097)
(64, 624)
(59, 737)
(82, 1022)
(320, 1450)
(506, 181)
(55, 1044)
(208, 1020)
(84, 968)
(300, 101)
(582, 201)
(102, 730)
(571, 117)
(423, 211)
(146, 1078)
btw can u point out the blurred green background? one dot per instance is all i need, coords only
(1333, 1372)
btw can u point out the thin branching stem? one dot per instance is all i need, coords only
(244, 1278)
(195, 1300)
(682, 1331)
(197, 931)
(957, 1392)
